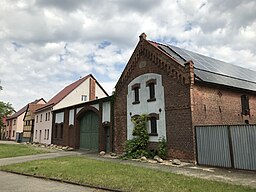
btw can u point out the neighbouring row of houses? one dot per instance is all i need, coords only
(202, 106)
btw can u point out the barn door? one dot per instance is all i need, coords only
(89, 128)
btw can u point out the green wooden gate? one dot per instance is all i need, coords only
(89, 131)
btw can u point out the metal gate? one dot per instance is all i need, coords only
(244, 146)
(227, 146)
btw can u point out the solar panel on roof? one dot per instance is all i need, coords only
(171, 53)
(215, 71)
(224, 80)
(217, 66)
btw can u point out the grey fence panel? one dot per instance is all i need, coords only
(213, 146)
(244, 146)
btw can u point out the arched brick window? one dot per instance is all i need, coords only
(136, 88)
(245, 105)
(153, 117)
(151, 85)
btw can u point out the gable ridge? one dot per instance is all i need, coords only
(67, 90)
(23, 109)
(146, 49)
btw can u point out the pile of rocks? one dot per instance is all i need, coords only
(108, 155)
(157, 159)
(50, 146)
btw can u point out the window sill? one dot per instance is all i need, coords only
(151, 99)
(135, 102)
(153, 134)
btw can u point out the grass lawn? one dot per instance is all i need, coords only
(14, 150)
(118, 176)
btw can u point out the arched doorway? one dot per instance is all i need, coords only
(89, 131)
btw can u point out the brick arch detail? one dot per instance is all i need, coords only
(77, 122)
(146, 52)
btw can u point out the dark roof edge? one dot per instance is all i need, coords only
(96, 101)
(99, 84)
(224, 86)
(44, 107)
(225, 75)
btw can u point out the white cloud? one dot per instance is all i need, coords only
(45, 45)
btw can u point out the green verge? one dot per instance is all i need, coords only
(14, 150)
(118, 176)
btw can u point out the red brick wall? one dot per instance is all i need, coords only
(217, 105)
(92, 89)
(177, 100)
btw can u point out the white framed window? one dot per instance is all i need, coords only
(47, 134)
(44, 134)
(71, 116)
(83, 97)
(59, 118)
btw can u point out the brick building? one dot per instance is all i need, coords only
(87, 126)
(83, 90)
(180, 90)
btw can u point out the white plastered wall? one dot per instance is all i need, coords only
(43, 125)
(99, 92)
(20, 123)
(74, 97)
(145, 107)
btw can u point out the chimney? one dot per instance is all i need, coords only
(143, 36)
(92, 88)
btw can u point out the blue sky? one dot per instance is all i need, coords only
(46, 45)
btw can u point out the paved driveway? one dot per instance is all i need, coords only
(18, 183)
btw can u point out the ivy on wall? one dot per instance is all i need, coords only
(137, 146)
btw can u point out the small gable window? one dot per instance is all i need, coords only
(245, 105)
(83, 97)
(151, 85)
(136, 88)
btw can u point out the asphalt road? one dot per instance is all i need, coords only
(18, 183)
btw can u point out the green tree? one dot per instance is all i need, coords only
(5, 109)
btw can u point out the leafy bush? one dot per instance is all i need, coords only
(137, 146)
(162, 148)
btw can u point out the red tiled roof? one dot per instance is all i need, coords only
(64, 92)
(23, 109)
(32, 108)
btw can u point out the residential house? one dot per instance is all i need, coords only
(180, 91)
(83, 90)
(29, 121)
(14, 127)
(3, 128)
